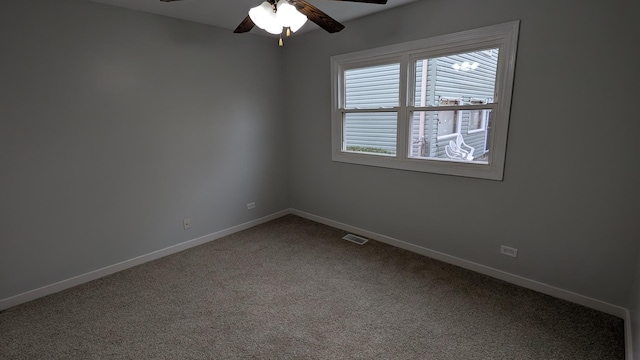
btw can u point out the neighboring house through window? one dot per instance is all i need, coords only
(449, 122)
(412, 105)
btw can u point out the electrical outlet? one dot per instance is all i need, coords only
(251, 205)
(186, 223)
(509, 251)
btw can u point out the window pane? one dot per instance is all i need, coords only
(448, 135)
(372, 87)
(468, 76)
(371, 132)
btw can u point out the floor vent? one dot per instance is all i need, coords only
(355, 239)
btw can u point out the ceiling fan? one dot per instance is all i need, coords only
(301, 9)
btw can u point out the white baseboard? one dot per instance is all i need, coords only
(628, 335)
(482, 269)
(96, 274)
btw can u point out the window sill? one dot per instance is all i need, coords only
(482, 170)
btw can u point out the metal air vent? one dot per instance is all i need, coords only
(355, 239)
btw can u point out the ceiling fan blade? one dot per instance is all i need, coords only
(317, 16)
(381, 2)
(169, 0)
(246, 25)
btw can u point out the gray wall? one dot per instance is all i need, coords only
(115, 125)
(571, 212)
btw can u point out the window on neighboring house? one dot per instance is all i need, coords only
(477, 118)
(435, 105)
(448, 122)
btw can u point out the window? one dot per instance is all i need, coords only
(478, 118)
(436, 105)
(366, 89)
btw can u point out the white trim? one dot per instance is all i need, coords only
(111, 269)
(628, 335)
(479, 268)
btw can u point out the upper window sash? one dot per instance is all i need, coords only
(444, 51)
(343, 67)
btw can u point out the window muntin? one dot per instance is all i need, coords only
(476, 116)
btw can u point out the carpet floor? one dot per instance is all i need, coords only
(293, 289)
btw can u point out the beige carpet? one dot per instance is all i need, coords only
(292, 289)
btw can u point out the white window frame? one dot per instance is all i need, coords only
(502, 36)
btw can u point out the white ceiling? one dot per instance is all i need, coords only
(229, 13)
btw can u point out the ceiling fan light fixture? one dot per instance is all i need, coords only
(289, 17)
(265, 18)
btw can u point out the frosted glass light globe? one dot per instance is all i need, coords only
(289, 16)
(264, 18)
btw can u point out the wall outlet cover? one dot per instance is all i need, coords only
(509, 251)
